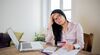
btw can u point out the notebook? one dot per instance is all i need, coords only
(24, 46)
(63, 51)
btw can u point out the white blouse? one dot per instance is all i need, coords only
(73, 35)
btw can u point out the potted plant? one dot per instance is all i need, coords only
(39, 37)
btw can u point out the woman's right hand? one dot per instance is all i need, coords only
(50, 22)
(68, 46)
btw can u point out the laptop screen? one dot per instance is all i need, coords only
(13, 37)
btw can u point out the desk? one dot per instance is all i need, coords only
(13, 51)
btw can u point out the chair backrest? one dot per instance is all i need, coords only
(88, 40)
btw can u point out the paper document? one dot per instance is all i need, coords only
(49, 50)
(37, 45)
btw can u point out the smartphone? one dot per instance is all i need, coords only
(60, 44)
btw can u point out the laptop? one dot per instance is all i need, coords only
(24, 46)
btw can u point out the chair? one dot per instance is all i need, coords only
(4, 40)
(88, 39)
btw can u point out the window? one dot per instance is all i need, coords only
(64, 5)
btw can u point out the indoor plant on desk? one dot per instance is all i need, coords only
(39, 37)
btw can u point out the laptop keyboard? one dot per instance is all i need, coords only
(26, 45)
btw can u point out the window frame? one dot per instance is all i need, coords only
(61, 7)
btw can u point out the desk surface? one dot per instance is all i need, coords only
(13, 51)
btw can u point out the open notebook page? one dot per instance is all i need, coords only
(63, 51)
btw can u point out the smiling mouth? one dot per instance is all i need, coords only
(59, 22)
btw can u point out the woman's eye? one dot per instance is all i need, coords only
(56, 19)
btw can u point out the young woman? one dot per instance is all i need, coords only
(63, 31)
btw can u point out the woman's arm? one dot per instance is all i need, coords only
(49, 35)
(80, 39)
(79, 44)
(49, 32)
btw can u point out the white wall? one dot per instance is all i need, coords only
(87, 12)
(21, 15)
(44, 13)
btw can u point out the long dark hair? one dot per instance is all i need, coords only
(57, 29)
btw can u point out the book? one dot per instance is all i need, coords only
(61, 51)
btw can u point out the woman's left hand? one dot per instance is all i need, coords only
(68, 46)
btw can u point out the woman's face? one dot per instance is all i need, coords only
(58, 18)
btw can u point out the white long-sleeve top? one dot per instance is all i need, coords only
(73, 35)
